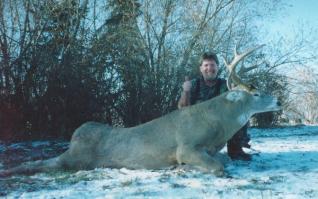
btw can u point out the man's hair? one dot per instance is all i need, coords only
(209, 56)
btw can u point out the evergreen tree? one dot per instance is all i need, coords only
(126, 60)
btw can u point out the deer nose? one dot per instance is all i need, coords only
(278, 103)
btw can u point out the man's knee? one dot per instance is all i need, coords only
(240, 138)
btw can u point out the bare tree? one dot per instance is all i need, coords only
(304, 95)
(176, 33)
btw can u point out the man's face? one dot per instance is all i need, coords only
(209, 69)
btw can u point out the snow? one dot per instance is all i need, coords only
(284, 165)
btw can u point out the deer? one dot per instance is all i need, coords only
(193, 135)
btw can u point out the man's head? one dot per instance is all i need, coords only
(209, 66)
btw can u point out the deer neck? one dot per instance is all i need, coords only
(234, 116)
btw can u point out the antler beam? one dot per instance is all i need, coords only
(232, 66)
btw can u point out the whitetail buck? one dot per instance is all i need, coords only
(192, 135)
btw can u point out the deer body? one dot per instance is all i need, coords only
(192, 135)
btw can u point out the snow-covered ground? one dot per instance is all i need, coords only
(284, 165)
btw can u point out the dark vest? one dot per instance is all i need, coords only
(201, 92)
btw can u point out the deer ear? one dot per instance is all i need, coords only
(233, 96)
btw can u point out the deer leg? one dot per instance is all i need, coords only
(199, 158)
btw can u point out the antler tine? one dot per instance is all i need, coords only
(228, 82)
(225, 61)
(230, 66)
(245, 70)
(235, 50)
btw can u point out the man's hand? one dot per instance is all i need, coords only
(185, 96)
(187, 85)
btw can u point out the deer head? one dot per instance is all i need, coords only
(255, 101)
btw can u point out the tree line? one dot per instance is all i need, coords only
(121, 62)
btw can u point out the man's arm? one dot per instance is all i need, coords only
(186, 94)
(184, 99)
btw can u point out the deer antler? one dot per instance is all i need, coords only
(232, 66)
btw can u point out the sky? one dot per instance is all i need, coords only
(297, 18)
(297, 12)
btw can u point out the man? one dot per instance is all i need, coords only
(207, 87)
